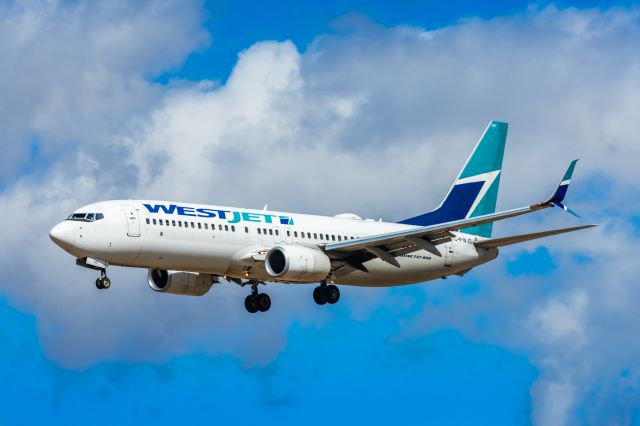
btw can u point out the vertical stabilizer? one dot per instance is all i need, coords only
(475, 191)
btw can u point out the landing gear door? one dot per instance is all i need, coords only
(133, 220)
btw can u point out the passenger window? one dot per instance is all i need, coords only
(148, 221)
(233, 228)
(339, 238)
(154, 221)
(295, 234)
(277, 233)
(226, 227)
(193, 225)
(173, 222)
(220, 227)
(264, 231)
(199, 225)
(309, 235)
(321, 237)
(246, 230)
(333, 237)
(206, 226)
(288, 233)
(327, 235)
(259, 232)
(315, 236)
(270, 231)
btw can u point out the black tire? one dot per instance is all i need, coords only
(320, 295)
(99, 283)
(250, 304)
(106, 283)
(263, 302)
(333, 294)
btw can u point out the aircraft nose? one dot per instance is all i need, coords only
(62, 234)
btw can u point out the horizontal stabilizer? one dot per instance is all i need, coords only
(499, 242)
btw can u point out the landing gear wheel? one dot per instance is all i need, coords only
(250, 304)
(103, 282)
(332, 294)
(263, 302)
(320, 295)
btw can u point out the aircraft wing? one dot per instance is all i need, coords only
(353, 253)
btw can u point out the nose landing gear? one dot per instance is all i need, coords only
(103, 282)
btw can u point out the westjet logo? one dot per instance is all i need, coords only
(228, 215)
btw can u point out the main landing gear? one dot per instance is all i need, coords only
(326, 294)
(103, 282)
(257, 301)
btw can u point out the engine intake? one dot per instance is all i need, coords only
(296, 263)
(177, 282)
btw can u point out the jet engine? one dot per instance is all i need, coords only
(177, 282)
(296, 263)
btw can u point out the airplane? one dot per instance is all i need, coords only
(187, 248)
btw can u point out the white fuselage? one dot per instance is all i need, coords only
(221, 240)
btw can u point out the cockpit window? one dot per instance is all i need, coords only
(86, 217)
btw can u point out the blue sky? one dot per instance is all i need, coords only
(213, 101)
(236, 25)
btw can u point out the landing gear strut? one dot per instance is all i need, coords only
(257, 301)
(103, 282)
(326, 294)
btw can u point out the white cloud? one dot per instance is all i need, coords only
(375, 122)
(556, 398)
(562, 319)
(75, 72)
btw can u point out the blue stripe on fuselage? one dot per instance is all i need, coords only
(456, 206)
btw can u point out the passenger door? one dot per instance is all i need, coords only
(133, 220)
(449, 253)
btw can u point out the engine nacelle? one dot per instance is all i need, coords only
(296, 263)
(177, 282)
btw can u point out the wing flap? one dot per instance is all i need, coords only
(505, 241)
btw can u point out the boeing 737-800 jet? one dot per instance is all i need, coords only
(189, 247)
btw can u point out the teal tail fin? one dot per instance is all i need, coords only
(475, 191)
